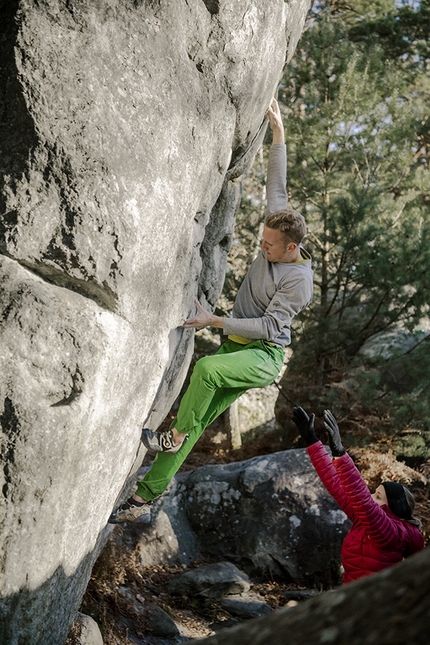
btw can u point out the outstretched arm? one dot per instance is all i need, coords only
(276, 200)
(276, 183)
(379, 526)
(324, 465)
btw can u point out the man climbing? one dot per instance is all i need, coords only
(277, 287)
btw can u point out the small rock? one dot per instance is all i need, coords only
(89, 632)
(159, 622)
(211, 581)
(132, 600)
(246, 606)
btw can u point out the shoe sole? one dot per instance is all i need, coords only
(157, 447)
(133, 514)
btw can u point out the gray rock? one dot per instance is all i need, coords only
(126, 127)
(168, 538)
(127, 594)
(88, 630)
(159, 622)
(375, 609)
(211, 581)
(394, 342)
(271, 514)
(246, 606)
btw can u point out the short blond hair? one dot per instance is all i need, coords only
(290, 222)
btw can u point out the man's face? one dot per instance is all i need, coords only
(276, 247)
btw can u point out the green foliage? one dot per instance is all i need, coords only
(355, 100)
(403, 33)
(357, 168)
(401, 391)
(392, 395)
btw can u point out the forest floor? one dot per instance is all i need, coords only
(118, 614)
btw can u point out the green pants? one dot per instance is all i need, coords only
(216, 382)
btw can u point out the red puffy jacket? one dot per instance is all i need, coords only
(377, 538)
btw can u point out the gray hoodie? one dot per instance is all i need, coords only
(272, 293)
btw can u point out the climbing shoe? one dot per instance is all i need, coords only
(160, 441)
(131, 510)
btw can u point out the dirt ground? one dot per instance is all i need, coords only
(122, 622)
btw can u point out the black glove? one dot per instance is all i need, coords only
(337, 450)
(305, 425)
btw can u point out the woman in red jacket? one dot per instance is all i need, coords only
(384, 529)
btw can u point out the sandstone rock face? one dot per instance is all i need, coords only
(125, 128)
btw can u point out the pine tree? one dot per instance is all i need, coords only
(355, 99)
(358, 169)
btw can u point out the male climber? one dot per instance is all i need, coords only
(277, 287)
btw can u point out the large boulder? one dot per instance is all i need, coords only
(125, 129)
(212, 581)
(270, 515)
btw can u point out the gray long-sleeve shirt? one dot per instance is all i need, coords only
(272, 293)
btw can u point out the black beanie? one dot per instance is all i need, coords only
(397, 500)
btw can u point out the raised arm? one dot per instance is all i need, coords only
(321, 460)
(276, 183)
(323, 464)
(277, 199)
(379, 526)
